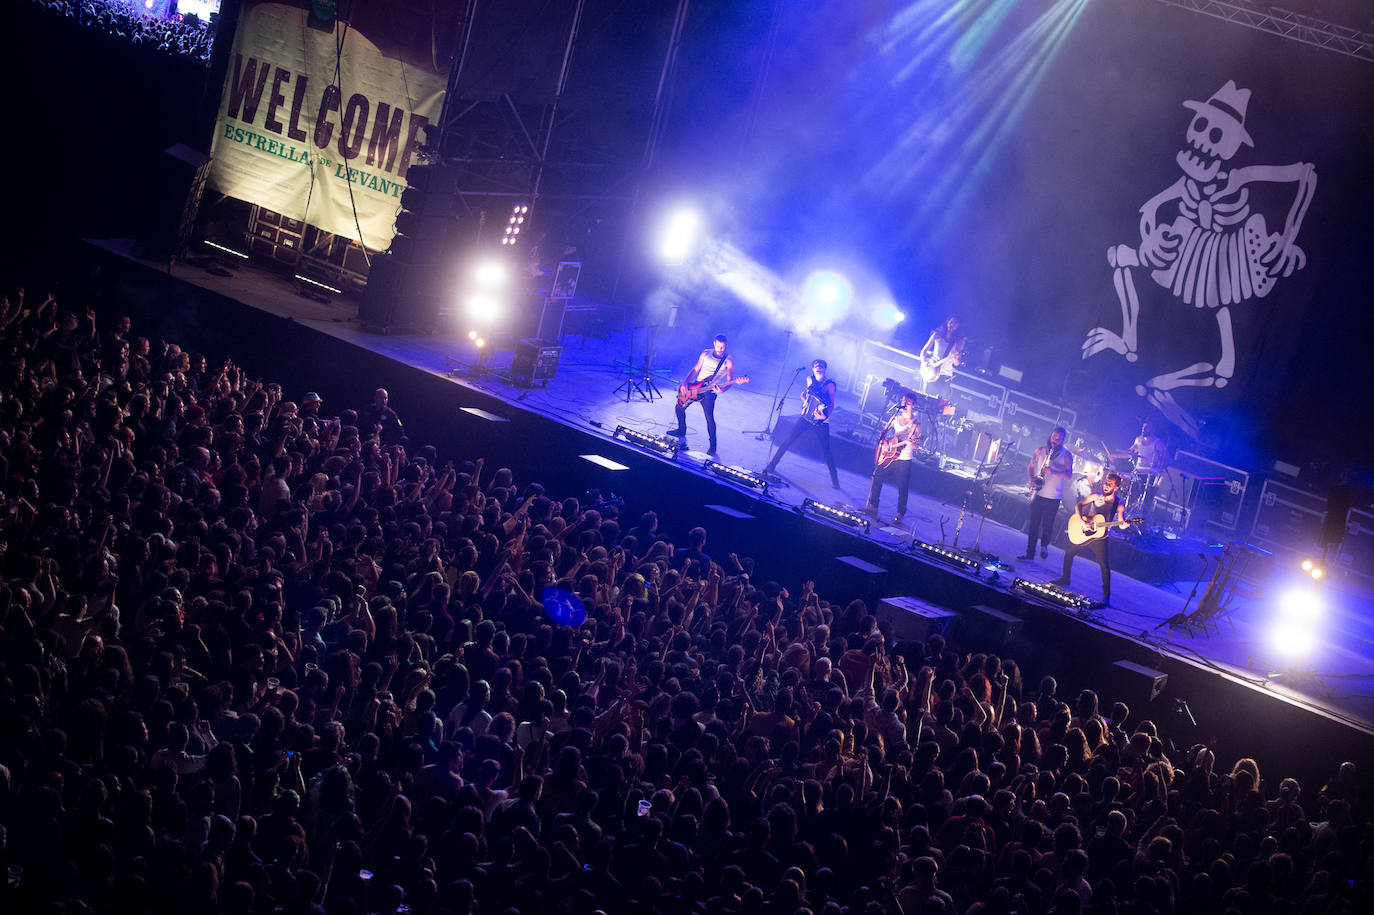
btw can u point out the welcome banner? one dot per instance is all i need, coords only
(319, 120)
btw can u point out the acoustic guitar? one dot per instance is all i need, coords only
(1082, 529)
(890, 448)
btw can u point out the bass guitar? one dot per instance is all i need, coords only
(934, 369)
(889, 448)
(1082, 529)
(689, 393)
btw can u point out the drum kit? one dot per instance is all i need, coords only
(1093, 461)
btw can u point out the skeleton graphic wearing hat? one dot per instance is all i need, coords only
(1202, 242)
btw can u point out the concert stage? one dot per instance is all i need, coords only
(1225, 676)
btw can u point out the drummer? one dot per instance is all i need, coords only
(1150, 458)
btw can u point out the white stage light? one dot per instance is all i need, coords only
(483, 307)
(679, 237)
(1292, 641)
(1301, 604)
(491, 274)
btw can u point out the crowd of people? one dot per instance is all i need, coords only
(259, 654)
(174, 36)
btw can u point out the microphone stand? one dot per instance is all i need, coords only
(778, 397)
(775, 412)
(1179, 617)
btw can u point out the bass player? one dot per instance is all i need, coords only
(1049, 470)
(897, 445)
(1111, 508)
(714, 372)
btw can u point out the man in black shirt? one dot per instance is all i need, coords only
(1110, 507)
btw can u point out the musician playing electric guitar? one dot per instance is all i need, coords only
(1049, 470)
(892, 460)
(942, 352)
(818, 401)
(714, 372)
(1109, 507)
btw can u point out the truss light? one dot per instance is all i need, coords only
(324, 286)
(660, 444)
(1053, 594)
(735, 475)
(951, 557)
(230, 251)
(840, 515)
(515, 223)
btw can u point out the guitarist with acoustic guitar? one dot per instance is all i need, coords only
(892, 460)
(1101, 511)
(818, 402)
(942, 352)
(713, 373)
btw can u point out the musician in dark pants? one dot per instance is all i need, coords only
(818, 401)
(902, 434)
(1049, 470)
(1110, 507)
(714, 368)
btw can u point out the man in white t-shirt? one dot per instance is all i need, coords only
(1049, 470)
(901, 435)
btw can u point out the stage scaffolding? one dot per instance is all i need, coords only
(1288, 24)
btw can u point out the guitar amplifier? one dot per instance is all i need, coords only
(1028, 421)
(534, 361)
(1288, 520)
(976, 395)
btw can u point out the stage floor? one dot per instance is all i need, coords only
(588, 393)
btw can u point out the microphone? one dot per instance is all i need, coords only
(597, 423)
(802, 368)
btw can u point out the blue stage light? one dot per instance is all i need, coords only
(826, 295)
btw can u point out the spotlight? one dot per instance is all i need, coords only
(1292, 641)
(1301, 604)
(835, 514)
(735, 475)
(492, 274)
(825, 299)
(483, 307)
(827, 291)
(886, 315)
(679, 237)
(1314, 571)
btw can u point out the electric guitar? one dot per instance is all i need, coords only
(688, 393)
(934, 369)
(889, 448)
(1082, 529)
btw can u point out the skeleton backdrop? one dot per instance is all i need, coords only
(1204, 243)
